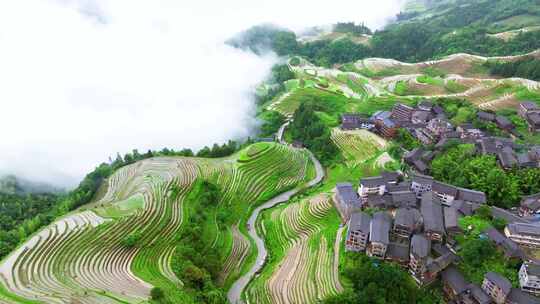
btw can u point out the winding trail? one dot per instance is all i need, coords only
(281, 131)
(234, 294)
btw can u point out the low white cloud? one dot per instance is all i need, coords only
(83, 79)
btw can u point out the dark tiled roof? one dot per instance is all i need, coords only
(494, 235)
(506, 157)
(404, 198)
(420, 245)
(378, 200)
(471, 196)
(381, 115)
(347, 194)
(506, 215)
(524, 229)
(432, 213)
(413, 155)
(360, 222)
(372, 181)
(503, 122)
(486, 116)
(398, 252)
(531, 201)
(380, 228)
(409, 218)
(389, 123)
(438, 109)
(463, 207)
(403, 186)
(502, 282)
(532, 268)
(443, 188)
(524, 159)
(529, 105)
(533, 118)
(421, 116)
(422, 179)
(390, 176)
(451, 134)
(454, 279)
(428, 155)
(425, 105)
(479, 294)
(450, 218)
(440, 249)
(518, 296)
(510, 248)
(534, 152)
(420, 165)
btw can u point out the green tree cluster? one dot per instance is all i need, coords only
(308, 128)
(528, 68)
(351, 27)
(377, 282)
(281, 73)
(272, 121)
(195, 261)
(461, 166)
(462, 28)
(405, 139)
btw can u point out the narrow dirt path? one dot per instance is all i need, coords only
(337, 246)
(235, 293)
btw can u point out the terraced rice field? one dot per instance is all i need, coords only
(358, 146)
(302, 265)
(80, 258)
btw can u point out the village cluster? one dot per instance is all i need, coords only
(414, 218)
(429, 124)
(415, 224)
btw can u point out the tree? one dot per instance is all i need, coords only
(131, 240)
(499, 223)
(281, 73)
(474, 252)
(156, 293)
(308, 128)
(484, 212)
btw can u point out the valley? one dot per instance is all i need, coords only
(358, 131)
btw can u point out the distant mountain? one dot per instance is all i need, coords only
(12, 184)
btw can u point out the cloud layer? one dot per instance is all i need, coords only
(84, 79)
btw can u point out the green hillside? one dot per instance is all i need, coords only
(138, 239)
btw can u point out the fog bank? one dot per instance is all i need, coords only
(84, 79)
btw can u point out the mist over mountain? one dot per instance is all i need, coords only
(85, 79)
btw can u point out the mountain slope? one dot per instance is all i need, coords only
(85, 257)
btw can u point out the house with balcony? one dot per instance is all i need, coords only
(454, 284)
(418, 259)
(529, 278)
(529, 205)
(371, 186)
(509, 248)
(497, 287)
(406, 222)
(446, 193)
(347, 200)
(432, 214)
(421, 184)
(402, 112)
(358, 232)
(524, 234)
(379, 234)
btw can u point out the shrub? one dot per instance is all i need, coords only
(131, 240)
(156, 293)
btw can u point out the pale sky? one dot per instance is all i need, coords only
(83, 79)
